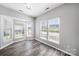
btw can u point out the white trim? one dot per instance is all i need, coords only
(10, 43)
(56, 48)
(6, 45)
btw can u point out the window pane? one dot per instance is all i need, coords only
(29, 29)
(19, 30)
(7, 30)
(53, 30)
(43, 30)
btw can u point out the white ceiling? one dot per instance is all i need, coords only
(32, 9)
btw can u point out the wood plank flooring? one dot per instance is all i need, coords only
(30, 48)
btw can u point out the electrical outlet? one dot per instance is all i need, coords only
(73, 51)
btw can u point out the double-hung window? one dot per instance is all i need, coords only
(43, 30)
(50, 30)
(54, 30)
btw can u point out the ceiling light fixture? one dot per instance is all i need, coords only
(47, 8)
(20, 10)
(28, 7)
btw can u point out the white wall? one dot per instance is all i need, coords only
(69, 29)
(14, 16)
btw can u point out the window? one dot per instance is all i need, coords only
(19, 30)
(54, 30)
(43, 30)
(29, 29)
(7, 32)
(50, 30)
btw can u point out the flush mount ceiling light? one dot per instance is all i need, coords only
(28, 7)
(20, 10)
(32, 9)
(47, 8)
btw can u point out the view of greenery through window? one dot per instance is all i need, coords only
(53, 30)
(50, 28)
(43, 30)
(19, 29)
(7, 29)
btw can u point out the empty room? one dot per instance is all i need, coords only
(39, 29)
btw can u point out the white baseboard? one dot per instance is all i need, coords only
(10, 44)
(40, 41)
(56, 48)
(6, 45)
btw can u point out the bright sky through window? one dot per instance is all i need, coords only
(55, 21)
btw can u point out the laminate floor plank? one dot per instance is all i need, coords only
(30, 48)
